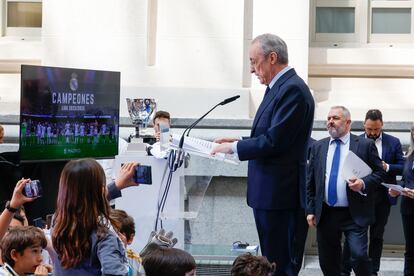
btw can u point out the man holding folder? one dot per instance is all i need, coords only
(336, 205)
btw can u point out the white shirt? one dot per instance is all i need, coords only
(341, 183)
(378, 144)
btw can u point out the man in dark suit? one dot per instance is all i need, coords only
(276, 150)
(336, 205)
(389, 149)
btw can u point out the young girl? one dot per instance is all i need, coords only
(81, 234)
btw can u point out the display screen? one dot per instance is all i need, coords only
(68, 113)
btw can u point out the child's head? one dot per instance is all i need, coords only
(82, 207)
(123, 223)
(249, 265)
(22, 248)
(169, 261)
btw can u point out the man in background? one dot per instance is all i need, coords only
(161, 119)
(339, 206)
(389, 150)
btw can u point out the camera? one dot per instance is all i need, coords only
(143, 175)
(33, 189)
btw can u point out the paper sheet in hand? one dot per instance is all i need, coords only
(202, 148)
(354, 167)
(394, 187)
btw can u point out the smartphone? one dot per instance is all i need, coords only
(33, 189)
(164, 136)
(39, 223)
(49, 221)
(143, 175)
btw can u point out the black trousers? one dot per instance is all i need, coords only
(408, 226)
(334, 222)
(376, 234)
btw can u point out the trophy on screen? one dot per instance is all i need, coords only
(141, 111)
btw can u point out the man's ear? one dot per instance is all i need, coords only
(273, 57)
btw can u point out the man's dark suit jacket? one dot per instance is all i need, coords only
(276, 149)
(407, 204)
(391, 154)
(361, 207)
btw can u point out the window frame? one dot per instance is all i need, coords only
(363, 35)
(335, 38)
(6, 31)
(390, 38)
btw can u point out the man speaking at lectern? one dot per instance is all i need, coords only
(276, 150)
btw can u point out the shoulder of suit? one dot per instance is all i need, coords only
(321, 141)
(390, 137)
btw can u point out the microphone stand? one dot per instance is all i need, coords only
(176, 159)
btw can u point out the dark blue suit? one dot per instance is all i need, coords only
(392, 155)
(353, 220)
(407, 214)
(276, 151)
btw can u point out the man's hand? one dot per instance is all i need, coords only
(157, 136)
(393, 193)
(311, 220)
(222, 140)
(125, 176)
(18, 199)
(42, 270)
(409, 192)
(222, 148)
(356, 184)
(385, 166)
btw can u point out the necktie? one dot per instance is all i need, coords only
(333, 177)
(266, 92)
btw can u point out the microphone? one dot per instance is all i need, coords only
(229, 100)
(226, 101)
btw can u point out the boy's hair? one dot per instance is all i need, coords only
(122, 222)
(249, 265)
(19, 238)
(168, 261)
(161, 114)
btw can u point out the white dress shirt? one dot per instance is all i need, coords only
(378, 144)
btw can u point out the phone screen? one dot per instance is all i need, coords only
(33, 189)
(143, 175)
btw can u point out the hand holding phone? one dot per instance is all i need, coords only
(125, 176)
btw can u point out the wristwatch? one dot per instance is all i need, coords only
(11, 209)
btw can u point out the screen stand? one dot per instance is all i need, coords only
(137, 147)
(136, 140)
